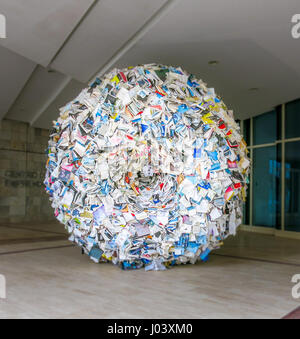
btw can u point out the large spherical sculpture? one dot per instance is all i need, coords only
(147, 167)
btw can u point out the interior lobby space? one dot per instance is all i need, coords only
(150, 159)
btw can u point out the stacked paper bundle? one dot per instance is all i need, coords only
(147, 167)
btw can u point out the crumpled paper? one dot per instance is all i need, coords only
(147, 167)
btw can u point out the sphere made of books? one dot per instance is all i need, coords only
(147, 167)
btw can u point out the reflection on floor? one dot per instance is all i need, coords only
(47, 277)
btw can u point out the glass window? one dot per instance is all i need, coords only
(292, 119)
(279, 122)
(246, 131)
(264, 128)
(267, 166)
(278, 185)
(265, 197)
(246, 204)
(246, 209)
(292, 186)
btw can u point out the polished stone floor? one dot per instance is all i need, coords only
(47, 277)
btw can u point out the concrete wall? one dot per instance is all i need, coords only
(22, 170)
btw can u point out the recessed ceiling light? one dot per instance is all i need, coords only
(213, 62)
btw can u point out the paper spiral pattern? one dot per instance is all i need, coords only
(147, 167)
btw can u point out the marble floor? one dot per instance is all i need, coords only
(47, 277)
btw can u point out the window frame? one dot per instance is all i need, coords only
(251, 147)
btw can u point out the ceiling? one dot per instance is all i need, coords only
(54, 48)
